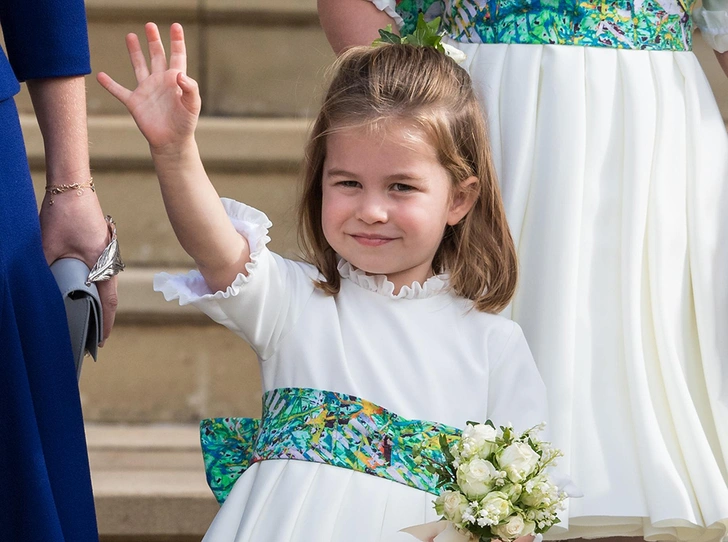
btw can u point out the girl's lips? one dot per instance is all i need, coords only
(371, 240)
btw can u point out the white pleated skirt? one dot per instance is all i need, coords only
(614, 172)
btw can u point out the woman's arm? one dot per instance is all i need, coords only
(348, 23)
(166, 105)
(74, 226)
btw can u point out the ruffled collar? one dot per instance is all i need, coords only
(380, 285)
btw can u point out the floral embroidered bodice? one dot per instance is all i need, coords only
(624, 24)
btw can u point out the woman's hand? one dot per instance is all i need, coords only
(74, 227)
(166, 103)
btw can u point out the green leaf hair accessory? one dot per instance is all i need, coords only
(425, 35)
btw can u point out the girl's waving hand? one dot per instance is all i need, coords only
(166, 102)
(166, 105)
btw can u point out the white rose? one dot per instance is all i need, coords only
(518, 460)
(495, 506)
(475, 477)
(514, 528)
(451, 505)
(478, 440)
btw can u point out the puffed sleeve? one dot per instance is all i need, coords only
(45, 38)
(516, 392)
(712, 19)
(262, 306)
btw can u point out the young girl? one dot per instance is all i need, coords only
(390, 324)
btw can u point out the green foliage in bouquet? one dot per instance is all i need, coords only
(495, 484)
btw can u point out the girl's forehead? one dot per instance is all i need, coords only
(393, 133)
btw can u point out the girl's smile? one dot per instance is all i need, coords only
(386, 201)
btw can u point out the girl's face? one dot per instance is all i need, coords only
(387, 200)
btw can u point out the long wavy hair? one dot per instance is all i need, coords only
(372, 86)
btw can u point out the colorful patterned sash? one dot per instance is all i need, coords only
(323, 427)
(621, 24)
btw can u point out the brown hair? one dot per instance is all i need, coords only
(374, 85)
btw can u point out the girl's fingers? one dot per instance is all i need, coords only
(178, 56)
(115, 89)
(138, 62)
(156, 49)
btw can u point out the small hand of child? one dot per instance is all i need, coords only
(166, 103)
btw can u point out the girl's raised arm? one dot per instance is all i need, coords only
(165, 106)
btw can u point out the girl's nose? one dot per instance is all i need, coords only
(372, 209)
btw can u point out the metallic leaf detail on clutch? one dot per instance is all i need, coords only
(109, 263)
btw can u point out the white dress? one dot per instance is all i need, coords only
(613, 165)
(422, 353)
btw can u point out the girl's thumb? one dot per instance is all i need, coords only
(185, 82)
(188, 86)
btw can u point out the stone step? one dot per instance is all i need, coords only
(251, 160)
(226, 144)
(149, 482)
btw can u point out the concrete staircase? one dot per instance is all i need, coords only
(261, 66)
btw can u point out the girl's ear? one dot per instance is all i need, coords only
(463, 200)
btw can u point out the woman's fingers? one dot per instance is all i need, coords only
(109, 303)
(156, 48)
(138, 62)
(115, 89)
(178, 56)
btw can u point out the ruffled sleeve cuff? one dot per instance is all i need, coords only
(389, 7)
(713, 27)
(191, 288)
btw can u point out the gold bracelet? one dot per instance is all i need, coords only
(55, 189)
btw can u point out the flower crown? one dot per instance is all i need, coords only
(425, 35)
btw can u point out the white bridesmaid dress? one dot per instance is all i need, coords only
(422, 353)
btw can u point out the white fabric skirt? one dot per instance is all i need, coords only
(301, 501)
(614, 172)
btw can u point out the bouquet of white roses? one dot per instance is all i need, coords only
(495, 485)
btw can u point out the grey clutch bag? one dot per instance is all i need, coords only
(83, 308)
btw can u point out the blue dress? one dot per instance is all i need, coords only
(45, 484)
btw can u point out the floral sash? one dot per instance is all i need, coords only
(324, 427)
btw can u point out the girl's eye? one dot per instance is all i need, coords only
(348, 184)
(400, 187)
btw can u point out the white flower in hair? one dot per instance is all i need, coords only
(453, 52)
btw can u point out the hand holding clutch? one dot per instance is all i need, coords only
(83, 308)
